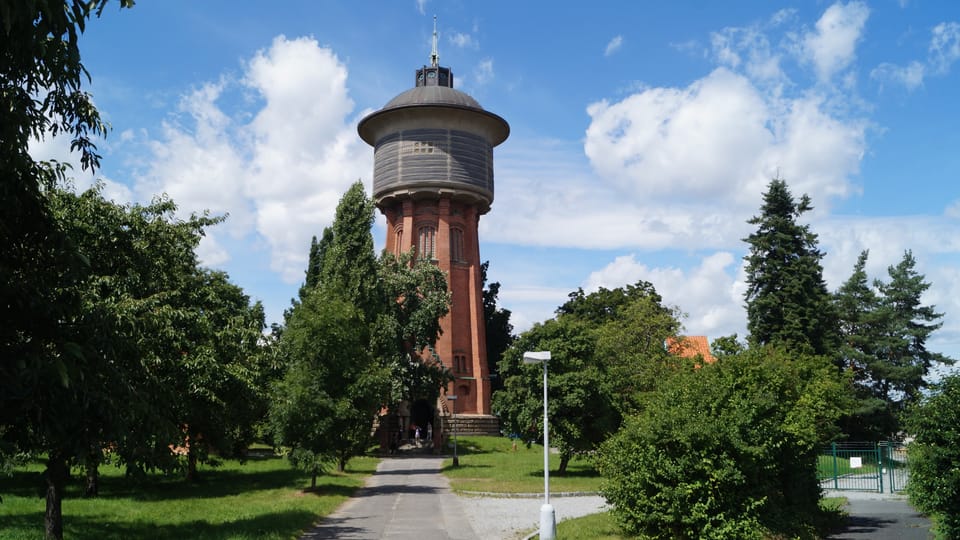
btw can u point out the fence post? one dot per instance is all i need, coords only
(833, 450)
(879, 451)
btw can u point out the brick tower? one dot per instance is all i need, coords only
(433, 179)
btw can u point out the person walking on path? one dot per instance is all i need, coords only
(405, 499)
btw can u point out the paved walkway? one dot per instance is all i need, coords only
(880, 516)
(406, 499)
(409, 499)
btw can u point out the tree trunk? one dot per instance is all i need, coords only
(342, 463)
(92, 465)
(313, 479)
(56, 475)
(564, 460)
(191, 464)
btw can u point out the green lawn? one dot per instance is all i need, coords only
(825, 466)
(261, 499)
(492, 464)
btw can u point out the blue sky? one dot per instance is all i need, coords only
(643, 133)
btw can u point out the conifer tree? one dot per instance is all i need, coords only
(786, 299)
(857, 306)
(903, 354)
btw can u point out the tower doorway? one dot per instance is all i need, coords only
(421, 415)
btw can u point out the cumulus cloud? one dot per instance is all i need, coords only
(831, 46)
(277, 167)
(721, 139)
(709, 293)
(613, 46)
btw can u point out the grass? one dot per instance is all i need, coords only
(261, 499)
(600, 526)
(825, 466)
(603, 526)
(493, 464)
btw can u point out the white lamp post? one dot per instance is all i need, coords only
(548, 520)
(453, 424)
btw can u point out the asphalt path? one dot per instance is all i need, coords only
(408, 498)
(405, 499)
(881, 517)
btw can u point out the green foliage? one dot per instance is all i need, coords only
(606, 349)
(787, 300)
(934, 462)
(415, 297)
(499, 331)
(884, 334)
(726, 450)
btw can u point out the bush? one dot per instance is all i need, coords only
(934, 463)
(728, 450)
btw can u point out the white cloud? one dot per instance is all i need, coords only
(910, 76)
(942, 52)
(484, 72)
(613, 46)
(422, 6)
(279, 175)
(944, 46)
(462, 40)
(720, 140)
(831, 47)
(709, 293)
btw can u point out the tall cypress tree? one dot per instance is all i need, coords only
(349, 263)
(786, 298)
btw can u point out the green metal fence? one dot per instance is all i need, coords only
(859, 466)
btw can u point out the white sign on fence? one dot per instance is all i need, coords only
(856, 462)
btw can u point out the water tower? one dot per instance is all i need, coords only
(433, 179)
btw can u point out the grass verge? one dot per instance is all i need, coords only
(497, 465)
(261, 499)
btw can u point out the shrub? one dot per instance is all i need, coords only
(934, 463)
(725, 451)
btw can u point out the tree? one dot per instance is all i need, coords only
(349, 262)
(40, 95)
(416, 298)
(583, 411)
(857, 306)
(786, 299)
(906, 324)
(499, 330)
(725, 450)
(606, 349)
(934, 486)
(212, 386)
(328, 397)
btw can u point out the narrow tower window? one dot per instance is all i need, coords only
(398, 242)
(456, 245)
(427, 244)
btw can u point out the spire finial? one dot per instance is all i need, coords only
(434, 55)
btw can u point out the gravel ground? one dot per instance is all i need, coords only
(495, 518)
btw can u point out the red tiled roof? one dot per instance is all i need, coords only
(690, 347)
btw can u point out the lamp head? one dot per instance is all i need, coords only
(535, 357)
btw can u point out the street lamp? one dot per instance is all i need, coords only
(453, 424)
(548, 520)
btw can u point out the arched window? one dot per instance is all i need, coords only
(456, 245)
(426, 246)
(398, 241)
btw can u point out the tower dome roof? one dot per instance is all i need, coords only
(433, 95)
